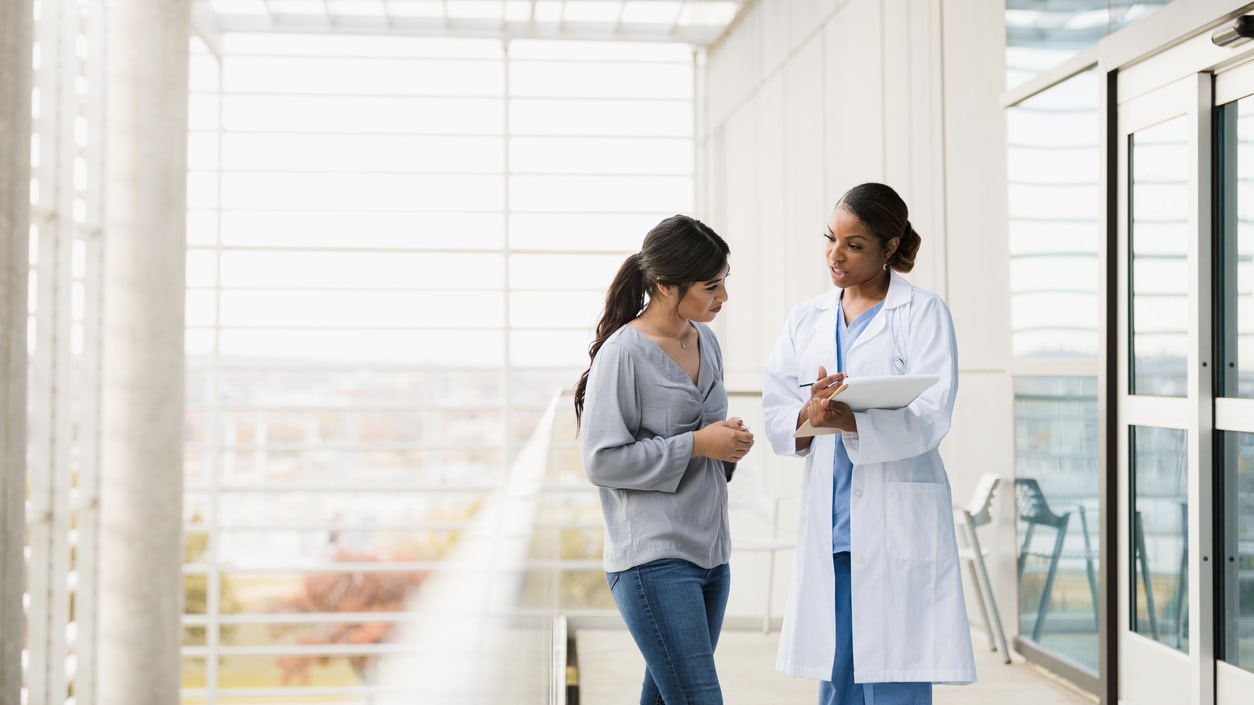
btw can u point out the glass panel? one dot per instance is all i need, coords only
(362, 192)
(366, 153)
(632, 194)
(355, 309)
(584, 155)
(1236, 603)
(1236, 260)
(1159, 244)
(563, 272)
(657, 118)
(560, 348)
(364, 114)
(566, 309)
(364, 348)
(1056, 488)
(600, 80)
(1054, 196)
(352, 270)
(363, 230)
(1160, 552)
(581, 232)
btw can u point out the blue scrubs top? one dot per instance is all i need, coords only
(842, 467)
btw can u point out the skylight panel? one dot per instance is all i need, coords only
(663, 13)
(433, 9)
(707, 14)
(592, 11)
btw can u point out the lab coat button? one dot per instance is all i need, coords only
(857, 493)
(859, 560)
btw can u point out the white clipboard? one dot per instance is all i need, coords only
(862, 393)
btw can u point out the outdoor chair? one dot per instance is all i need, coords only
(1035, 511)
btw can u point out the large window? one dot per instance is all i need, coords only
(1058, 515)
(1053, 203)
(1054, 198)
(398, 248)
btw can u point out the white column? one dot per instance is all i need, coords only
(16, 28)
(141, 551)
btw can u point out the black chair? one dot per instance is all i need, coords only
(1035, 511)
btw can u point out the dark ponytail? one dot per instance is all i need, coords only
(678, 251)
(885, 214)
(623, 302)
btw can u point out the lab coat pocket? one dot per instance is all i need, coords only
(913, 521)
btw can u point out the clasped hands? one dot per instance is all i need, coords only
(728, 440)
(823, 412)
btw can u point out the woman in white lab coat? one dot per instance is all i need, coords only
(875, 610)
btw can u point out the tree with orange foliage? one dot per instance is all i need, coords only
(347, 592)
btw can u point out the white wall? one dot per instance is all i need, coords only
(806, 98)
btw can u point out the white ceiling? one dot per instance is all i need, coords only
(699, 22)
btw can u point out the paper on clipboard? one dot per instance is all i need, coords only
(862, 393)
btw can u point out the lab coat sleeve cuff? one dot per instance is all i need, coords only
(852, 446)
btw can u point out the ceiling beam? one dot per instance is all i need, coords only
(466, 27)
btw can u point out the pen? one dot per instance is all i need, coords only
(807, 384)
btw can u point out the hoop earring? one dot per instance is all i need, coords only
(886, 266)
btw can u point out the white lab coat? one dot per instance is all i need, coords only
(909, 618)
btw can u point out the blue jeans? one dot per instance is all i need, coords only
(674, 611)
(841, 690)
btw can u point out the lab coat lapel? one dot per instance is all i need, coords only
(820, 349)
(898, 294)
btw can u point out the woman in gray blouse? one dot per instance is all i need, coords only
(656, 441)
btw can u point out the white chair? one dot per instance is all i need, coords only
(968, 518)
(770, 545)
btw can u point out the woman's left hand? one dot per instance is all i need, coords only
(829, 413)
(822, 411)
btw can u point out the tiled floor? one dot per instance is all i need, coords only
(610, 670)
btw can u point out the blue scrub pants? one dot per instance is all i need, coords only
(841, 690)
(674, 611)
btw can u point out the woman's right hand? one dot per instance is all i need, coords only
(728, 441)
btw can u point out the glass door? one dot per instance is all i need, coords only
(1164, 390)
(1185, 369)
(1234, 403)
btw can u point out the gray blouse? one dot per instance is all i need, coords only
(640, 410)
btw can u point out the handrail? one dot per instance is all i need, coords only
(558, 682)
